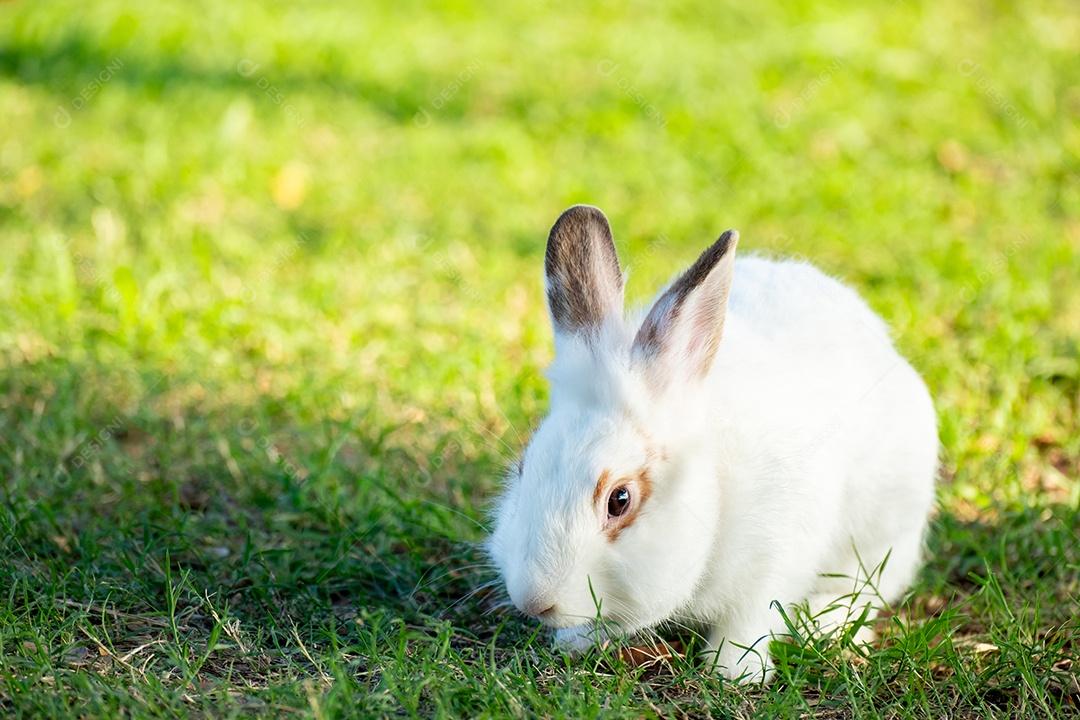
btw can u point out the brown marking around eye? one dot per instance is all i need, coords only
(601, 485)
(640, 490)
(645, 484)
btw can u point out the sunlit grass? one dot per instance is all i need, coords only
(271, 325)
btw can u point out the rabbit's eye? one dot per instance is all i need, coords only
(618, 502)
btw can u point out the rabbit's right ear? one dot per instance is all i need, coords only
(584, 281)
(681, 333)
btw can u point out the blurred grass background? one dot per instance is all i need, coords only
(271, 315)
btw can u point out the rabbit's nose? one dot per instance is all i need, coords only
(537, 607)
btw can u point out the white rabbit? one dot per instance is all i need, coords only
(683, 478)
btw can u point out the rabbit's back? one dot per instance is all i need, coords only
(829, 413)
(794, 302)
(804, 354)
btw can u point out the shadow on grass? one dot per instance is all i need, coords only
(67, 66)
(107, 483)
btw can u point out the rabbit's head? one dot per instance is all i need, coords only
(613, 505)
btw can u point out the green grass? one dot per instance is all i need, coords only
(271, 311)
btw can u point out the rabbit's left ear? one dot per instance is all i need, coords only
(584, 282)
(681, 333)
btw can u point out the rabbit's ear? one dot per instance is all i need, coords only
(584, 282)
(681, 333)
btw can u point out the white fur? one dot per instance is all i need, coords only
(809, 449)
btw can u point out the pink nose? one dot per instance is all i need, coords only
(537, 608)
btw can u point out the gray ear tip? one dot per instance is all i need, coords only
(724, 245)
(575, 226)
(582, 214)
(584, 207)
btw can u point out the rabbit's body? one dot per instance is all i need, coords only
(680, 478)
(831, 440)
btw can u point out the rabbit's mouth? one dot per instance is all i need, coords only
(566, 621)
(579, 638)
(610, 623)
